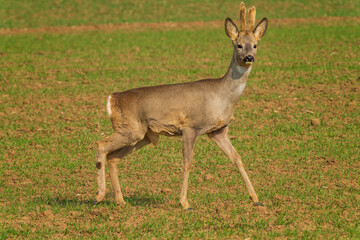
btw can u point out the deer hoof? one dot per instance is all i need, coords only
(258, 204)
(95, 202)
(187, 208)
(121, 203)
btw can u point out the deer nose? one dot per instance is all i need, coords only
(249, 58)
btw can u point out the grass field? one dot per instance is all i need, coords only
(297, 125)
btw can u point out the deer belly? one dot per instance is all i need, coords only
(167, 129)
(215, 126)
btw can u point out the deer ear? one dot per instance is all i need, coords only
(231, 29)
(260, 29)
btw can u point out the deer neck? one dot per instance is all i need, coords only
(235, 80)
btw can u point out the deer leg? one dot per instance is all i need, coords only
(106, 146)
(222, 140)
(189, 138)
(113, 160)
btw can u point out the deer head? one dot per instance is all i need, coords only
(246, 40)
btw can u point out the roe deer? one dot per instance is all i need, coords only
(189, 110)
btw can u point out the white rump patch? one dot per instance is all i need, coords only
(108, 106)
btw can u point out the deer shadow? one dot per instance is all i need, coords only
(135, 200)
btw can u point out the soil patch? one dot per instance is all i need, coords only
(172, 25)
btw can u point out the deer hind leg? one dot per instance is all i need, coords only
(222, 140)
(189, 139)
(114, 158)
(110, 144)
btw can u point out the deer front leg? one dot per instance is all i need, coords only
(222, 140)
(189, 138)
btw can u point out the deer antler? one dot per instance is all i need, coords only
(242, 17)
(251, 18)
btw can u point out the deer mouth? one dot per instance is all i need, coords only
(249, 60)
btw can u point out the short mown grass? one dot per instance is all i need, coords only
(53, 95)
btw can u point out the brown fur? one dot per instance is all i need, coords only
(189, 110)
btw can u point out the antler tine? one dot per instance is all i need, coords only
(251, 18)
(242, 17)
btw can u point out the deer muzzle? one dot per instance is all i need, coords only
(249, 59)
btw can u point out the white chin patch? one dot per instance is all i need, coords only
(249, 63)
(244, 70)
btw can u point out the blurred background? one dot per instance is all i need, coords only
(41, 13)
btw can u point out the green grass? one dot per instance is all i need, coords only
(41, 13)
(53, 94)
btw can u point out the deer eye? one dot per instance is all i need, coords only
(255, 46)
(240, 46)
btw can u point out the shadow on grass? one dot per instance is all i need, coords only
(68, 201)
(144, 199)
(134, 200)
